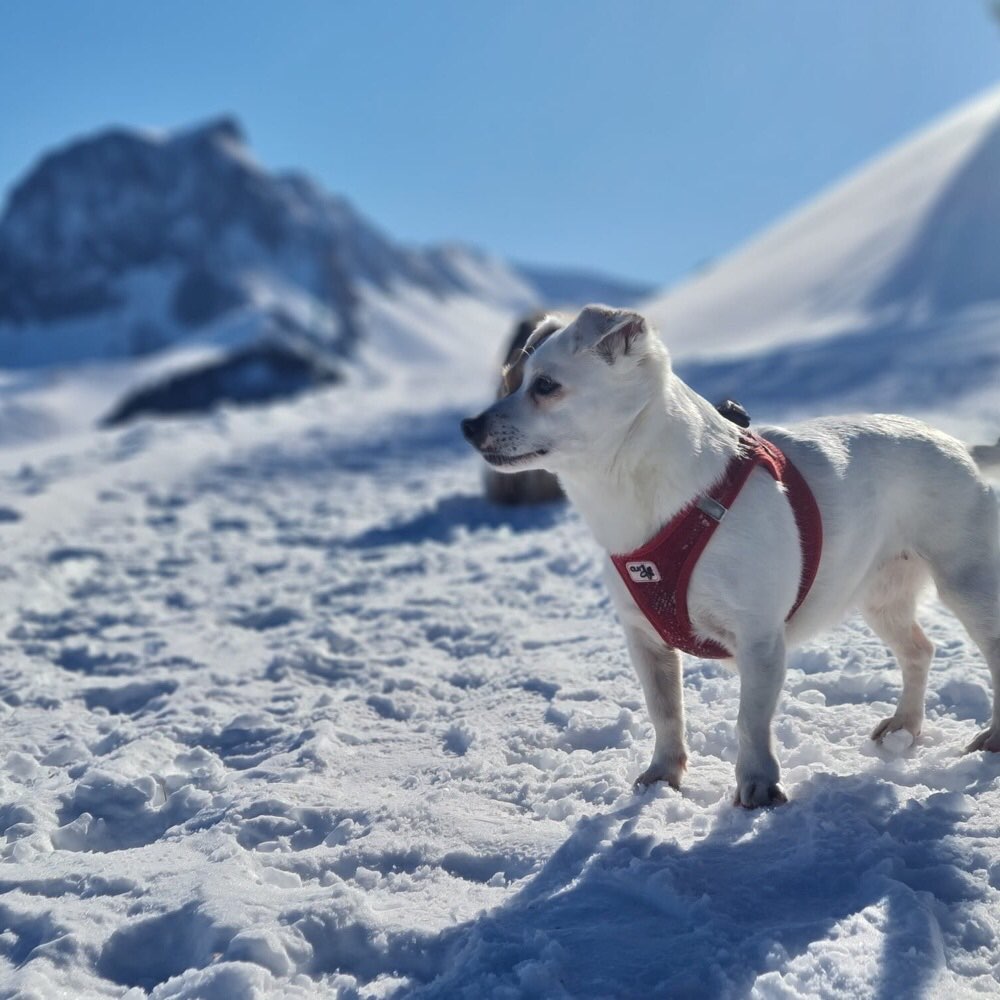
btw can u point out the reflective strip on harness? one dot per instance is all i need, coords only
(658, 573)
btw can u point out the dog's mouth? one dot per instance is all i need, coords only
(496, 458)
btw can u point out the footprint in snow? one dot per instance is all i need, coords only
(263, 619)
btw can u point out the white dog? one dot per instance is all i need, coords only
(633, 445)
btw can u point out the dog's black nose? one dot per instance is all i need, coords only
(474, 429)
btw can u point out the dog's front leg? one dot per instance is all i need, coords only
(659, 669)
(761, 664)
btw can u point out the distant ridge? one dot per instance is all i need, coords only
(127, 242)
(190, 275)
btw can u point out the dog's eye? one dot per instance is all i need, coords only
(544, 386)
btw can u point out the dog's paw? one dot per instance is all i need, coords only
(894, 724)
(988, 739)
(753, 794)
(670, 771)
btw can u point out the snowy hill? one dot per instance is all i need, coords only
(149, 256)
(888, 285)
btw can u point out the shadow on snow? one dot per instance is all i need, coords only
(399, 442)
(617, 914)
(467, 512)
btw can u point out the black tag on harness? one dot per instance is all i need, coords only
(732, 410)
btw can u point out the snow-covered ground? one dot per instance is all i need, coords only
(290, 711)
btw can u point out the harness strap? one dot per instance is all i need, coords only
(658, 573)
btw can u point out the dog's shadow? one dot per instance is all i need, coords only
(617, 914)
(449, 514)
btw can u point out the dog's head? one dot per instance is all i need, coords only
(576, 389)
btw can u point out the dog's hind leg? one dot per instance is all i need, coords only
(659, 668)
(889, 607)
(974, 597)
(978, 609)
(968, 582)
(989, 739)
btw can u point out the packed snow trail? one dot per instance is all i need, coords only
(290, 711)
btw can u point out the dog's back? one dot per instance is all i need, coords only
(900, 504)
(886, 486)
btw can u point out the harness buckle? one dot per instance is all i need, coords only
(711, 507)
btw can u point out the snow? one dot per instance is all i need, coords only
(290, 710)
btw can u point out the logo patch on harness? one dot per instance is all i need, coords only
(680, 542)
(643, 572)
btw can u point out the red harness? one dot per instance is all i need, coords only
(658, 573)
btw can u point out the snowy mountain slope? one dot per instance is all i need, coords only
(948, 369)
(129, 245)
(906, 247)
(127, 242)
(123, 243)
(129, 259)
(290, 711)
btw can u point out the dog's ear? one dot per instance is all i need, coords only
(548, 325)
(532, 333)
(610, 333)
(622, 338)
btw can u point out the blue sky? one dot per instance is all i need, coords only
(640, 138)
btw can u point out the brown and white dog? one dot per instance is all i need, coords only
(902, 504)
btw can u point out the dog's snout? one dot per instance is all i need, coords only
(474, 429)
